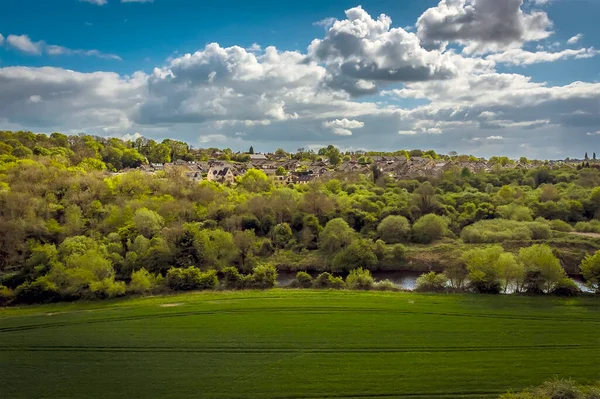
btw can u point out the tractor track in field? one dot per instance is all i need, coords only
(274, 350)
(297, 310)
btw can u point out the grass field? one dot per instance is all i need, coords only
(297, 344)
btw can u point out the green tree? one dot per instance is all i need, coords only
(282, 235)
(429, 228)
(540, 262)
(147, 222)
(251, 150)
(255, 180)
(394, 229)
(358, 254)
(336, 236)
(590, 268)
(360, 279)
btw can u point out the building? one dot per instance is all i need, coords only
(221, 174)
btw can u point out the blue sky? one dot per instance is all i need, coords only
(417, 77)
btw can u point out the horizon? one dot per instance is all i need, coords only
(351, 74)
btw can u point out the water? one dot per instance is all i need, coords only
(406, 280)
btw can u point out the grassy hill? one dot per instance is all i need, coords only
(297, 344)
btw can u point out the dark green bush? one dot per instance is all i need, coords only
(303, 280)
(326, 280)
(38, 291)
(191, 278)
(431, 282)
(566, 287)
(360, 279)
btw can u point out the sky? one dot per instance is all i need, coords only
(483, 77)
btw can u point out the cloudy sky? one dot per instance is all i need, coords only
(485, 77)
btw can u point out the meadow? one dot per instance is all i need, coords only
(297, 344)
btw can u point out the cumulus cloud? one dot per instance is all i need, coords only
(523, 57)
(24, 44)
(482, 25)
(360, 48)
(593, 134)
(291, 98)
(343, 127)
(575, 39)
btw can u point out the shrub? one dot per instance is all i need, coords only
(326, 280)
(500, 230)
(142, 281)
(6, 295)
(39, 291)
(588, 227)
(360, 279)
(590, 268)
(431, 282)
(385, 285)
(539, 231)
(394, 229)
(566, 287)
(542, 267)
(429, 228)
(191, 278)
(107, 288)
(560, 225)
(359, 254)
(556, 389)
(263, 277)
(304, 280)
(231, 279)
(515, 212)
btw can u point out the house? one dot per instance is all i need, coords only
(221, 173)
(258, 157)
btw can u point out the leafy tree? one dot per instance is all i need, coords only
(429, 228)
(360, 279)
(282, 235)
(251, 150)
(540, 261)
(304, 280)
(394, 229)
(485, 268)
(255, 180)
(143, 282)
(590, 269)
(336, 236)
(431, 282)
(147, 222)
(356, 255)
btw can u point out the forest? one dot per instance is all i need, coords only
(78, 220)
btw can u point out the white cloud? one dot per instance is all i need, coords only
(131, 137)
(1, 39)
(25, 44)
(343, 127)
(593, 134)
(495, 138)
(482, 25)
(575, 39)
(421, 130)
(211, 138)
(326, 22)
(254, 48)
(96, 2)
(523, 57)
(34, 99)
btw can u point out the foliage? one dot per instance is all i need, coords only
(590, 269)
(303, 280)
(191, 278)
(336, 236)
(542, 267)
(429, 228)
(431, 282)
(326, 280)
(360, 279)
(499, 230)
(394, 229)
(358, 254)
(142, 281)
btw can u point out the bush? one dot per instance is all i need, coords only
(500, 230)
(360, 279)
(39, 291)
(429, 228)
(385, 285)
(231, 279)
(394, 229)
(590, 268)
(107, 288)
(359, 254)
(6, 295)
(326, 280)
(262, 277)
(560, 225)
(142, 281)
(431, 282)
(191, 278)
(588, 227)
(557, 389)
(566, 287)
(303, 280)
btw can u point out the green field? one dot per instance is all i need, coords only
(297, 344)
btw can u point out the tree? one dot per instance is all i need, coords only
(586, 157)
(147, 222)
(251, 150)
(336, 236)
(281, 171)
(425, 199)
(429, 228)
(590, 268)
(394, 229)
(360, 279)
(594, 156)
(542, 267)
(358, 254)
(485, 269)
(282, 235)
(255, 180)
(431, 282)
